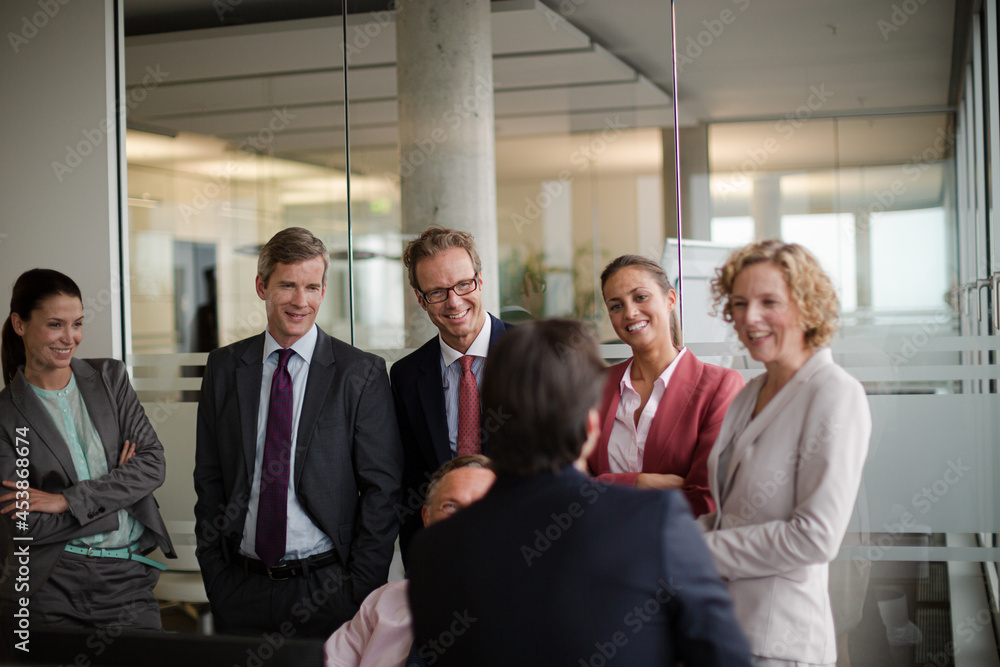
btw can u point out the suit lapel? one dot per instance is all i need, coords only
(38, 419)
(321, 372)
(674, 404)
(430, 395)
(248, 379)
(772, 410)
(102, 412)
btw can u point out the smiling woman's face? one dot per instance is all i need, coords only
(766, 317)
(52, 334)
(638, 308)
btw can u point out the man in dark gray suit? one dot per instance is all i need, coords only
(298, 462)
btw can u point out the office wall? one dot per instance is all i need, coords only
(59, 182)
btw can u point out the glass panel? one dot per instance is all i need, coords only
(835, 131)
(213, 173)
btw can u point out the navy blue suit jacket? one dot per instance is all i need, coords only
(560, 569)
(423, 425)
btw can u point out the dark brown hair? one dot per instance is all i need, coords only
(30, 289)
(543, 377)
(655, 272)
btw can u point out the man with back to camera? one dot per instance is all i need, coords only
(381, 633)
(552, 567)
(436, 387)
(298, 462)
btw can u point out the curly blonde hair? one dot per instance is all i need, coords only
(807, 284)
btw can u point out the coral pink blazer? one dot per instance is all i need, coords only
(682, 433)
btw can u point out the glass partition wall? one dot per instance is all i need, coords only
(858, 151)
(839, 128)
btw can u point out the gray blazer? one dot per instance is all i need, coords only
(785, 500)
(117, 416)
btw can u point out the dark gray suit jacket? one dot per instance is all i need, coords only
(117, 416)
(348, 461)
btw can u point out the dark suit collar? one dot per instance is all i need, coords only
(430, 395)
(497, 330)
(248, 379)
(321, 374)
(565, 475)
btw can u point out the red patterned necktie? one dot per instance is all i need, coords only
(468, 410)
(272, 515)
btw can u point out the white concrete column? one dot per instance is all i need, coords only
(446, 137)
(62, 189)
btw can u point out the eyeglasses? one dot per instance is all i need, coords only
(460, 289)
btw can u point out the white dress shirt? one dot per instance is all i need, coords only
(451, 375)
(627, 441)
(302, 537)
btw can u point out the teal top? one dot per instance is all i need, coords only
(69, 414)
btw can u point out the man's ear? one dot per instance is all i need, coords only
(424, 514)
(260, 286)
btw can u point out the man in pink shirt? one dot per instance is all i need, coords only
(381, 633)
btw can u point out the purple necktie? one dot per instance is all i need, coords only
(271, 506)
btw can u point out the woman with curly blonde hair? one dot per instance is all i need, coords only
(787, 465)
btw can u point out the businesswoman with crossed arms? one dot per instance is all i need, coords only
(662, 409)
(92, 463)
(786, 468)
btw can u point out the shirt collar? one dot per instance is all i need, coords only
(303, 347)
(626, 382)
(479, 347)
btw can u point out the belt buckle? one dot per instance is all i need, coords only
(89, 549)
(281, 569)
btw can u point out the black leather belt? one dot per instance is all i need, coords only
(288, 568)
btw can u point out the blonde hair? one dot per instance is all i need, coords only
(434, 240)
(807, 284)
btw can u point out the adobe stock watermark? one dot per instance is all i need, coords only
(453, 118)
(635, 620)
(785, 129)
(922, 501)
(899, 17)
(913, 169)
(912, 344)
(545, 537)
(581, 159)
(94, 137)
(433, 649)
(30, 25)
(249, 148)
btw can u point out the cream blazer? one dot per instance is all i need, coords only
(785, 498)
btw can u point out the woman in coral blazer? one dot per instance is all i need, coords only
(787, 466)
(662, 409)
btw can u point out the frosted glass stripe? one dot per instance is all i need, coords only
(928, 554)
(166, 384)
(174, 359)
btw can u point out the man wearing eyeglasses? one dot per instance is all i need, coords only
(436, 388)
